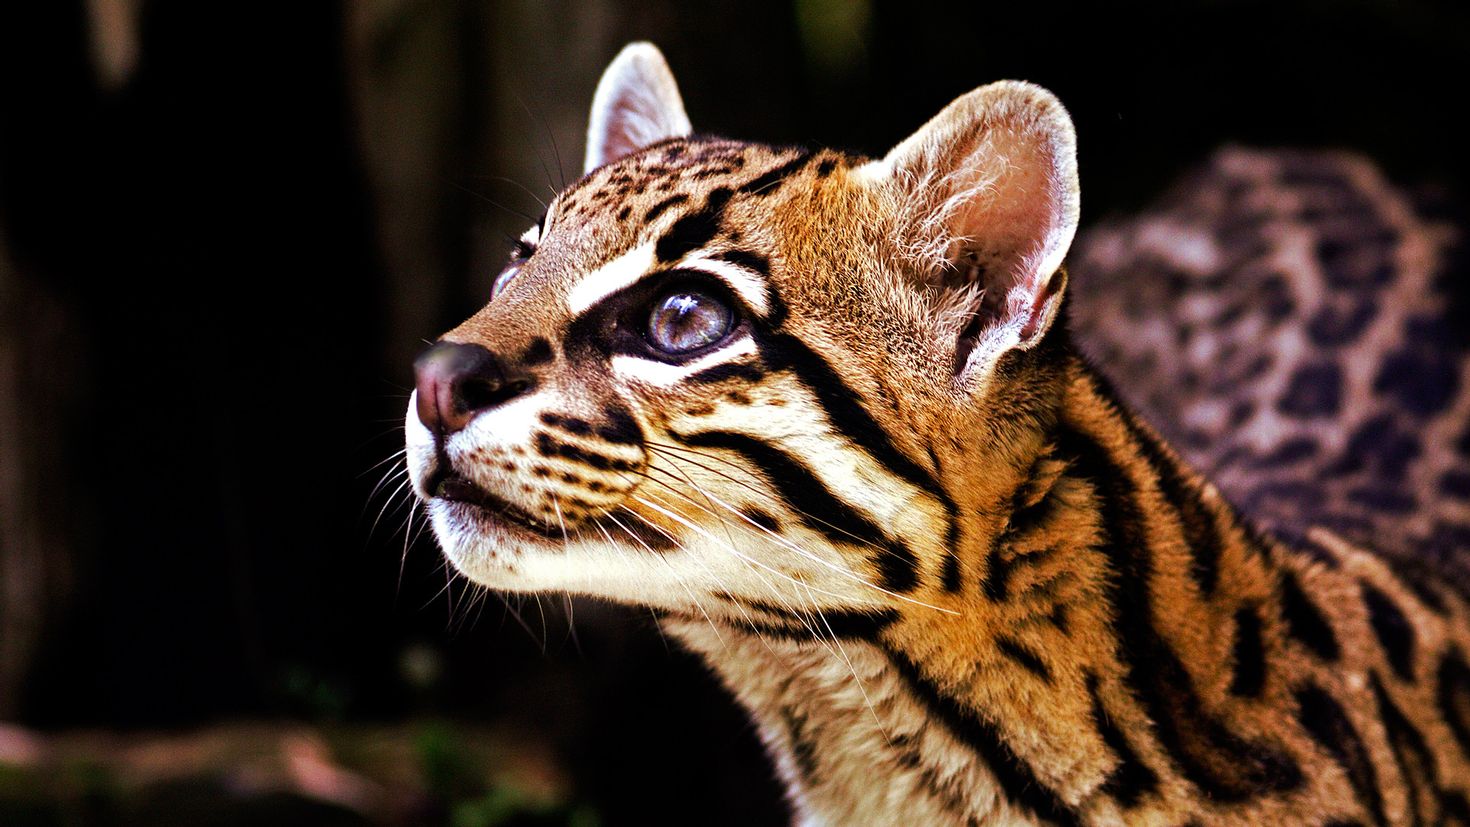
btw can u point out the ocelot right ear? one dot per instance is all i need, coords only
(637, 104)
(985, 203)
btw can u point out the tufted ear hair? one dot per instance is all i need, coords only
(637, 104)
(987, 202)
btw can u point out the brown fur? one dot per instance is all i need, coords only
(1018, 605)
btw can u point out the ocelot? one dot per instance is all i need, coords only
(824, 415)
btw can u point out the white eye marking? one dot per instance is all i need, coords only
(532, 236)
(617, 274)
(741, 281)
(663, 374)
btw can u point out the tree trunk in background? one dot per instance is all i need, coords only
(39, 363)
(462, 141)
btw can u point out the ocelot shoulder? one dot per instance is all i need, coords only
(1284, 318)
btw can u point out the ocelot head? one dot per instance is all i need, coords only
(719, 374)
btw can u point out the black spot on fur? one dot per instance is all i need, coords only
(1304, 621)
(1224, 765)
(819, 508)
(1288, 452)
(1332, 326)
(844, 408)
(826, 166)
(748, 371)
(548, 447)
(1023, 656)
(694, 229)
(749, 260)
(1417, 765)
(1383, 498)
(787, 623)
(658, 209)
(1324, 719)
(1016, 778)
(1453, 697)
(570, 424)
(1315, 390)
(1239, 413)
(1249, 674)
(1131, 779)
(538, 353)
(620, 427)
(1422, 381)
(803, 751)
(1456, 484)
(1379, 445)
(1393, 630)
(767, 182)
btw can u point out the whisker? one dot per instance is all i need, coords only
(835, 568)
(662, 450)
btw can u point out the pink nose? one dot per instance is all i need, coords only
(457, 382)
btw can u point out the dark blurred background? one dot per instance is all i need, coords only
(225, 230)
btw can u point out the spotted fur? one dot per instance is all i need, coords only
(950, 573)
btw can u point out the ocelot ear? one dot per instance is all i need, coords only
(637, 104)
(986, 199)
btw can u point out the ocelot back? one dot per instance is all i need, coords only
(823, 414)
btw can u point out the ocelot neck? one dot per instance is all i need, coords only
(1130, 640)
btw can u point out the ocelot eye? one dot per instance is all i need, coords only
(685, 320)
(522, 251)
(504, 278)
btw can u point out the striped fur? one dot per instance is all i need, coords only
(951, 576)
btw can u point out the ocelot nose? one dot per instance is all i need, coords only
(456, 382)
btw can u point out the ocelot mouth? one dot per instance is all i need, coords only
(453, 488)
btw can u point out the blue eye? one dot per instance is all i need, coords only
(686, 320)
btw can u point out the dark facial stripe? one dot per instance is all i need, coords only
(1417, 766)
(546, 446)
(815, 504)
(1223, 765)
(747, 371)
(813, 624)
(1250, 656)
(845, 410)
(619, 427)
(761, 518)
(1304, 621)
(755, 262)
(1393, 630)
(1017, 780)
(1024, 656)
(1327, 723)
(1131, 779)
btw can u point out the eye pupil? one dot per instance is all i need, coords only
(684, 321)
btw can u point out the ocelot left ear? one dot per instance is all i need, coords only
(986, 205)
(637, 104)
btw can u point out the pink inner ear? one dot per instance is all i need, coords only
(1009, 215)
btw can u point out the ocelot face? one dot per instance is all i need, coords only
(722, 369)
